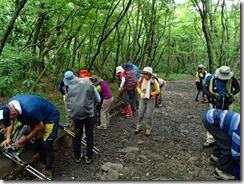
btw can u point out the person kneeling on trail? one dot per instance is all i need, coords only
(224, 125)
(42, 116)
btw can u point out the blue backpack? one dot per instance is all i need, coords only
(136, 69)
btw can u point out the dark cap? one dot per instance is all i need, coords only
(5, 115)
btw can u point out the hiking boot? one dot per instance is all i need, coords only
(213, 160)
(48, 173)
(137, 130)
(41, 166)
(208, 144)
(223, 176)
(148, 131)
(78, 160)
(88, 160)
(102, 127)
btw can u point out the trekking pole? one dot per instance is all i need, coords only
(223, 102)
(95, 149)
(14, 157)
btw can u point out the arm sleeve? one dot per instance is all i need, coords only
(60, 87)
(157, 89)
(235, 85)
(235, 149)
(122, 82)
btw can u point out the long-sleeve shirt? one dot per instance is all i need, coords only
(229, 122)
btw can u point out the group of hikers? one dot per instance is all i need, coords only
(222, 124)
(87, 96)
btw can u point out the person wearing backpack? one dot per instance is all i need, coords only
(220, 89)
(148, 88)
(129, 89)
(81, 100)
(200, 75)
(135, 97)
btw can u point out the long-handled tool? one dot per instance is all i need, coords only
(14, 157)
(63, 125)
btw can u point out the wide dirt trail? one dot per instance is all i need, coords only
(173, 151)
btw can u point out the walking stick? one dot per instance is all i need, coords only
(8, 152)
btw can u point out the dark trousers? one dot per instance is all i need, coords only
(222, 150)
(46, 152)
(128, 96)
(78, 128)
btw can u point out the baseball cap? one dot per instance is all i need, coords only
(5, 116)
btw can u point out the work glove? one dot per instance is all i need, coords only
(142, 96)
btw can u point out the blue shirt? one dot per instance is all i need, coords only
(229, 122)
(36, 109)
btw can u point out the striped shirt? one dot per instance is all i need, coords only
(229, 122)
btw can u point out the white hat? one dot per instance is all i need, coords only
(147, 70)
(155, 75)
(223, 73)
(119, 69)
(201, 66)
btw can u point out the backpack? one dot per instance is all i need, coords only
(130, 79)
(136, 69)
(80, 99)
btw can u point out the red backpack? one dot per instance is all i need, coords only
(84, 73)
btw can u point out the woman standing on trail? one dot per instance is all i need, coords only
(148, 88)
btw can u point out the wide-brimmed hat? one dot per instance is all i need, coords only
(5, 115)
(119, 69)
(155, 75)
(95, 80)
(147, 70)
(223, 73)
(68, 76)
(201, 66)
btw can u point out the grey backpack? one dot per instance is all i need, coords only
(80, 98)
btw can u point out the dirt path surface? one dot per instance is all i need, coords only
(174, 151)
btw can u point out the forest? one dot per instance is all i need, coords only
(42, 39)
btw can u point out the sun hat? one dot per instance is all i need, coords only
(147, 70)
(5, 116)
(155, 75)
(95, 80)
(119, 69)
(200, 66)
(68, 76)
(223, 73)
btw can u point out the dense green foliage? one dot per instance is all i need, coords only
(42, 39)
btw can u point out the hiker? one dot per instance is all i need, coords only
(127, 87)
(84, 73)
(224, 125)
(69, 75)
(135, 96)
(220, 89)
(148, 88)
(81, 100)
(42, 116)
(106, 98)
(162, 86)
(200, 75)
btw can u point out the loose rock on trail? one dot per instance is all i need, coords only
(174, 150)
